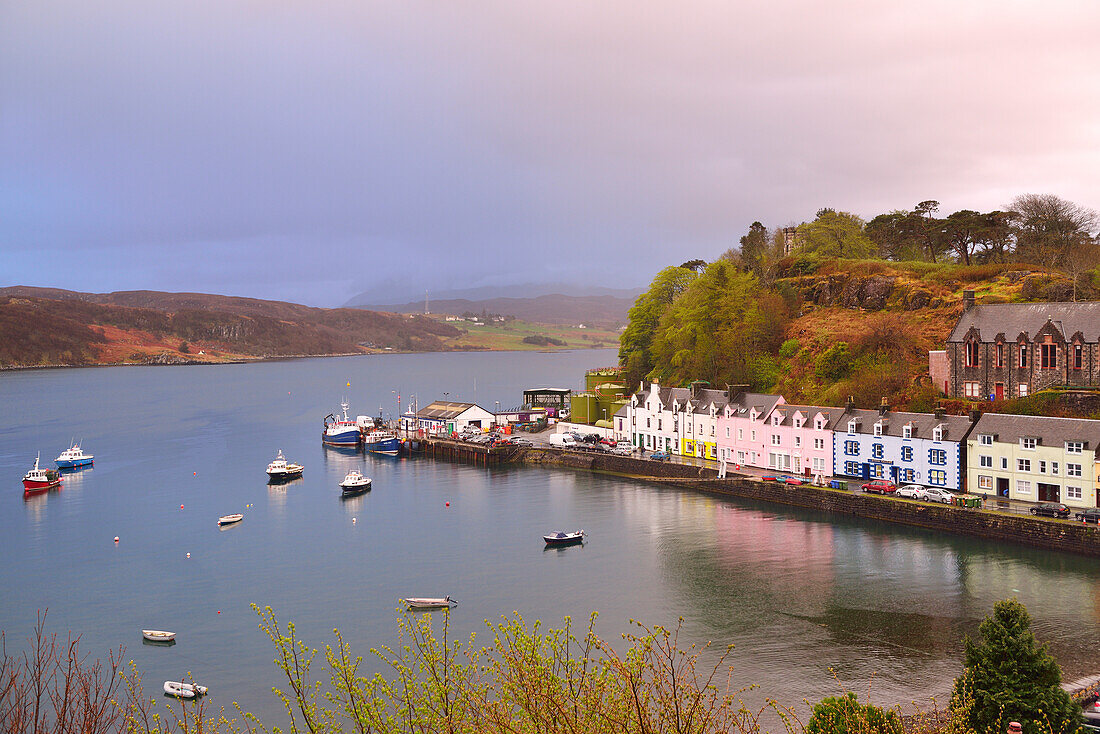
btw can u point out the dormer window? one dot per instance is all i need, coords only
(937, 433)
(878, 428)
(985, 439)
(1029, 444)
(777, 419)
(851, 426)
(797, 422)
(907, 431)
(1074, 447)
(819, 424)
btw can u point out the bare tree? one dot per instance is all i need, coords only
(1049, 227)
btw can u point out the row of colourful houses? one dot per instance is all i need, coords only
(1030, 458)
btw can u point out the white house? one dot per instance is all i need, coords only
(447, 417)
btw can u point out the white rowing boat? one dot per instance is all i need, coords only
(183, 690)
(429, 602)
(158, 635)
(230, 519)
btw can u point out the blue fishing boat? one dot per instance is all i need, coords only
(381, 442)
(340, 431)
(73, 457)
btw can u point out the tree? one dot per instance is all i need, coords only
(694, 265)
(996, 237)
(961, 232)
(846, 715)
(1047, 227)
(1008, 676)
(636, 341)
(835, 234)
(896, 236)
(754, 247)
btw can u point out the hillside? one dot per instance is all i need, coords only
(602, 311)
(40, 327)
(826, 329)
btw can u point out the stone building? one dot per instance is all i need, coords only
(1010, 350)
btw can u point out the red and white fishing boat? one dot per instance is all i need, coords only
(38, 480)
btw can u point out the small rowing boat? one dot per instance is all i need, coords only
(230, 519)
(158, 635)
(183, 690)
(562, 538)
(428, 602)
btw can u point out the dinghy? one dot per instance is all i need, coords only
(428, 602)
(158, 635)
(230, 519)
(183, 690)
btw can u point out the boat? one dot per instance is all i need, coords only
(73, 458)
(158, 635)
(280, 470)
(340, 431)
(427, 602)
(230, 519)
(39, 480)
(183, 690)
(559, 537)
(381, 442)
(354, 482)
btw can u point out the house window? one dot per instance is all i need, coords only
(727, 431)
(1054, 467)
(700, 429)
(937, 476)
(819, 464)
(937, 456)
(851, 468)
(908, 475)
(906, 453)
(878, 429)
(937, 433)
(907, 431)
(819, 425)
(985, 461)
(797, 422)
(1077, 356)
(1073, 470)
(740, 434)
(1023, 488)
(776, 440)
(1023, 355)
(712, 430)
(985, 439)
(1073, 493)
(1004, 462)
(851, 448)
(658, 424)
(798, 442)
(1023, 389)
(1023, 464)
(819, 443)
(985, 481)
(878, 471)
(877, 451)
(741, 457)
(972, 389)
(851, 426)
(752, 437)
(647, 422)
(1042, 467)
(972, 354)
(1028, 443)
(1048, 356)
(1000, 355)
(1074, 447)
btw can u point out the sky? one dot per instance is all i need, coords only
(312, 150)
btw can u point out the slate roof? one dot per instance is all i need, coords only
(1050, 431)
(444, 409)
(763, 403)
(703, 398)
(1012, 319)
(832, 415)
(954, 426)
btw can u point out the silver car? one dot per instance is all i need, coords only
(932, 494)
(913, 492)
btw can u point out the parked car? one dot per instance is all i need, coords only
(913, 492)
(935, 494)
(881, 486)
(660, 455)
(609, 442)
(1050, 509)
(623, 450)
(521, 441)
(1092, 514)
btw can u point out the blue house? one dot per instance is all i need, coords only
(905, 448)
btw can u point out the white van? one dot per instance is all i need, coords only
(563, 440)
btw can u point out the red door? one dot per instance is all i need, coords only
(999, 390)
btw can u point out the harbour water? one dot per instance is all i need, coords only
(802, 595)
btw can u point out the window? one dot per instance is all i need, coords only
(741, 457)
(727, 431)
(937, 456)
(1048, 356)
(620, 424)
(753, 436)
(777, 419)
(1054, 467)
(972, 354)
(1073, 470)
(819, 424)
(851, 448)
(937, 476)
(1028, 443)
(1000, 355)
(819, 443)
(740, 434)
(1042, 467)
(878, 429)
(712, 430)
(907, 431)
(985, 481)
(878, 471)
(1023, 488)
(985, 439)
(1073, 493)
(851, 468)
(647, 422)
(658, 424)
(1023, 464)
(1023, 355)
(777, 440)
(798, 442)
(1023, 389)
(1074, 447)
(908, 475)
(985, 461)
(937, 433)
(972, 389)
(851, 426)
(700, 431)
(1004, 462)
(906, 453)
(797, 422)
(819, 464)
(1077, 356)
(877, 451)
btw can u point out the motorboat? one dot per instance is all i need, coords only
(426, 602)
(230, 519)
(280, 470)
(39, 480)
(340, 431)
(73, 457)
(559, 537)
(354, 482)
(381, 442)
(158, 635)
(183, 690)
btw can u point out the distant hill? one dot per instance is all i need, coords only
(606, 310)
(487, 292)
(49, 326)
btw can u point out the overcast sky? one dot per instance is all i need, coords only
(309, 150)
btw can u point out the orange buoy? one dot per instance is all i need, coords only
(181, 507)
(116, 538)
(448, 504)
(188, 555)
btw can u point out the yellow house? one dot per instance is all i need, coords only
(1035, 459)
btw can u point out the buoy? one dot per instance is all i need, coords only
(219, 611)
(188, 555)
(116, 538)
(448, 504)
(194, 473)
(349, 384)
(181, 507)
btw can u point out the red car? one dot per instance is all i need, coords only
(881, 486)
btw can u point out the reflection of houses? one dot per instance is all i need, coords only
(906, 448)
(447, 417)
(1010, 350)
(1034, 458)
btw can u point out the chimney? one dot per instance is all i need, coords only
(975, 415)
(968, 300)
(850, 405)
(883, 406)
(940, 413)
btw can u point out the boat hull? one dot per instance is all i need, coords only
(280, 477)
(158, 636)
(388, 446)
(429, 603)
(73, 463)
(348, 437)
(37, 485)
(354, 490)
(230, 519)
(566, 539)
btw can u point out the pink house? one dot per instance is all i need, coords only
(785, 438)
(741, 434)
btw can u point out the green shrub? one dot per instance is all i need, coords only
(846, 715)
(788, 348)
(834, 363)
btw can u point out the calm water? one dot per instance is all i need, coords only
(797, 592)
